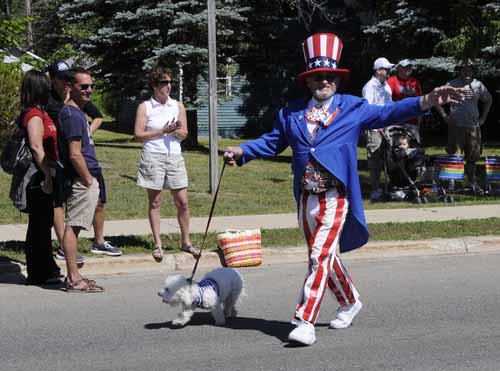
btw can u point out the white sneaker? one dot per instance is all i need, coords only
(304, 333)
(345, 315)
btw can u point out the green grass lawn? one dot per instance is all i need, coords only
(288, 237)
(260, 187)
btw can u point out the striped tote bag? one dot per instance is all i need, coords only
(241, 248)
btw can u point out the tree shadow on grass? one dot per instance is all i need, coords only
(128, 240)
(277, 329)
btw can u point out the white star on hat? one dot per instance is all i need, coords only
(326, 63)
(317, 63)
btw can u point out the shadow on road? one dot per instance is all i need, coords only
(11, 271)
(278, 329)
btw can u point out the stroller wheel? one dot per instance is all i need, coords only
(418, 200)
(425, 200)
(448, 199)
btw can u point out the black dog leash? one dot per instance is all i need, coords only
(208, 223)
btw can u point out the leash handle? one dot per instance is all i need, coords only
(208, 222)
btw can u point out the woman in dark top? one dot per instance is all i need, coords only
(42, 138)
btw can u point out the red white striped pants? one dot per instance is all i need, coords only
(322, 217)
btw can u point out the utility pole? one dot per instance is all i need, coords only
(212, 106)
(27, 11)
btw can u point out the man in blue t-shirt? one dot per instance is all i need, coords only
(58, 73)
(81, 166)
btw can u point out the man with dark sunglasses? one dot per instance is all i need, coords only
(87, 190)
(323, 132)
(59, 73)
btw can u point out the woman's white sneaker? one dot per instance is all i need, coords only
(345, 315)
(304, 333)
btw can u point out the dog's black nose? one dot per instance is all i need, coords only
(160, 294)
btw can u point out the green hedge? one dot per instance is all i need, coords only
(10, 83)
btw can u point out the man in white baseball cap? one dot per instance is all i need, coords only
(382, 63)
(376, 91)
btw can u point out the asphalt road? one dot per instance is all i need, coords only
(420, 313)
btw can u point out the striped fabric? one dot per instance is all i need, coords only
(452, 167)
(241, 248)
(493, 168)
(322, 48)
(205, 285)
(322, 218)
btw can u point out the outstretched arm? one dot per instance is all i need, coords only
(375, 117)
(441, 96)
(268, 145)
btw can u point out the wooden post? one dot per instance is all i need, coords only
(212, 106)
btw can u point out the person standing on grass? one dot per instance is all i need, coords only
(465, 120)
(82, 168)
(376, 91)
(161, 125)
(323, 132)
(58, 73)
(404, 85)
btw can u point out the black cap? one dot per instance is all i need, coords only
(58, 70)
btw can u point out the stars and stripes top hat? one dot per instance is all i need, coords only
(322, 54)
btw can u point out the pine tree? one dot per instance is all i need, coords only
(132, 35)
(437, 33)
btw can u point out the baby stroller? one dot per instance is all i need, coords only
(409, 174)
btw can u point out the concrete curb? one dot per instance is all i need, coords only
(279, 255)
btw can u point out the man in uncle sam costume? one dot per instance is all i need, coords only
(323, 132)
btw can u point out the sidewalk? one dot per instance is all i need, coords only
(17, 232)
(278, 255)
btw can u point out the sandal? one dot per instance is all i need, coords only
(158, 254)
(192, 250)
(87, 286)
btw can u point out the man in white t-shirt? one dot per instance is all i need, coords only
(465, 120)
(376, 91)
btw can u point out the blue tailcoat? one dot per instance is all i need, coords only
(334, 147)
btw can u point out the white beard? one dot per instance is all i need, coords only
(322, 96)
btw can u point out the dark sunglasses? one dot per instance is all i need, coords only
(86, 86)
(165, 82)
(330, 77)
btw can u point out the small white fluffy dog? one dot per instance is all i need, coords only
(218, 291)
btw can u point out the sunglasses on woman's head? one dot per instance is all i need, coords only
(324, 76)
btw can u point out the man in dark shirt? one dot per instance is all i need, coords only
(58, 73)
(81, 166)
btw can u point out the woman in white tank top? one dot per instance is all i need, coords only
(161, 125)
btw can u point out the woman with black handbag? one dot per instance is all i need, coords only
(42, 138)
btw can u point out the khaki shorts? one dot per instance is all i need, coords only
(160, 171)
(373, 151)
(81, 204)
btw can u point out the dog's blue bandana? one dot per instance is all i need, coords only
(204, 285)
